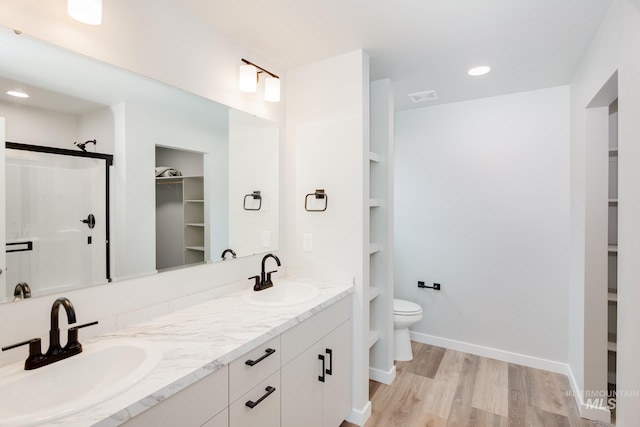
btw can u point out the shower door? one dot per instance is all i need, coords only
(56, 221)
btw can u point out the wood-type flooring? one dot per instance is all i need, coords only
(447, 388)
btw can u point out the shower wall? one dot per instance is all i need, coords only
(48, 196)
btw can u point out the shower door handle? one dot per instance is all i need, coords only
(90, 221)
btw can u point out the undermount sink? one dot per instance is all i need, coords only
(282, 295)
(101, 371)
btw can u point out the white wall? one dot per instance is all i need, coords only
(482, 207)
(327, 135)
(37, 126)
(254, 164)
(614, 48)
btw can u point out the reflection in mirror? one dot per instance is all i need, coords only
(56, 218)
(74, 99)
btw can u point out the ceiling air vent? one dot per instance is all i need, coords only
(429, 95)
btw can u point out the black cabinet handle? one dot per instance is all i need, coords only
(321, 377)
(268, 390)
(330, 353)
(268, 352)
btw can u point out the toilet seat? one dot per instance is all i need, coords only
(405, 308)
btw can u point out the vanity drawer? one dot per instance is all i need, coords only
(266, 410)
(253, 367)
(301, 337)
(193, 406)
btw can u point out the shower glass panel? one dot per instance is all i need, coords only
(56, 221)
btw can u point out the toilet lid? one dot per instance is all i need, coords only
(406, 307)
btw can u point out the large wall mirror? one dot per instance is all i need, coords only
(191, 181)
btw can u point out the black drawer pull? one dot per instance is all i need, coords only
(268, 390)
(330, 353)
(321, 377)
(268, 352)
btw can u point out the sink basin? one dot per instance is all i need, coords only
(282, 295)
(101, 371)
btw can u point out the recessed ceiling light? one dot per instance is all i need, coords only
(429, 95)
(479, 71)
(17, 94)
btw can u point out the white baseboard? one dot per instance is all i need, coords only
(588, 410)
(492, 353)
(382, 376)
(359, 416)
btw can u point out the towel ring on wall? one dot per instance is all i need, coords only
(255, 196)
(319, 194)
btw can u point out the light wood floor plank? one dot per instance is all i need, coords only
(480, 418)
(445, 384)
(447, 390)
(545, 392)
(491, 392)
(518, 396)
(460, 412)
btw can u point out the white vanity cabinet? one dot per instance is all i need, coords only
(316, 372)
(283, 382)
(203, 403)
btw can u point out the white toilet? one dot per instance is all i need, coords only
(405, 314)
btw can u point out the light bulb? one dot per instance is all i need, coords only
(272, 89)
(248, 78)
(87, 11)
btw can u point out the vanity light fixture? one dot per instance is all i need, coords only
(18, 93)
(479, 71)
(249, 77)
(86, 11)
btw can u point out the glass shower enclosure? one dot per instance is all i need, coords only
(57, 218)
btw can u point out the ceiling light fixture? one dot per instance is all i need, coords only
(86, 11)
(249, 77)
(18, 93)
(479, 71)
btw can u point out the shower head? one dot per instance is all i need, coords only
(82, 145)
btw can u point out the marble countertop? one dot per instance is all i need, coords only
(196, 341)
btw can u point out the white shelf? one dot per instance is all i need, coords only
(374, 157)
(195, 248)
(374, 203)
(612, 347)
(373, 292)
(613, 201)
(374, 247)
(194, 201)
(194, 224)
(613, 248)
(374, 336)
(612, 297)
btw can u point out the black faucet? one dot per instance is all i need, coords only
(264, 280)
(55, 352)
(228, 251)
(21, 291)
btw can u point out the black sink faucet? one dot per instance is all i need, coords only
(54, 333)
(21, 291)
(264, 280)
(55, 352)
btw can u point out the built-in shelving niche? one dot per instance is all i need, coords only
(612, 250)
